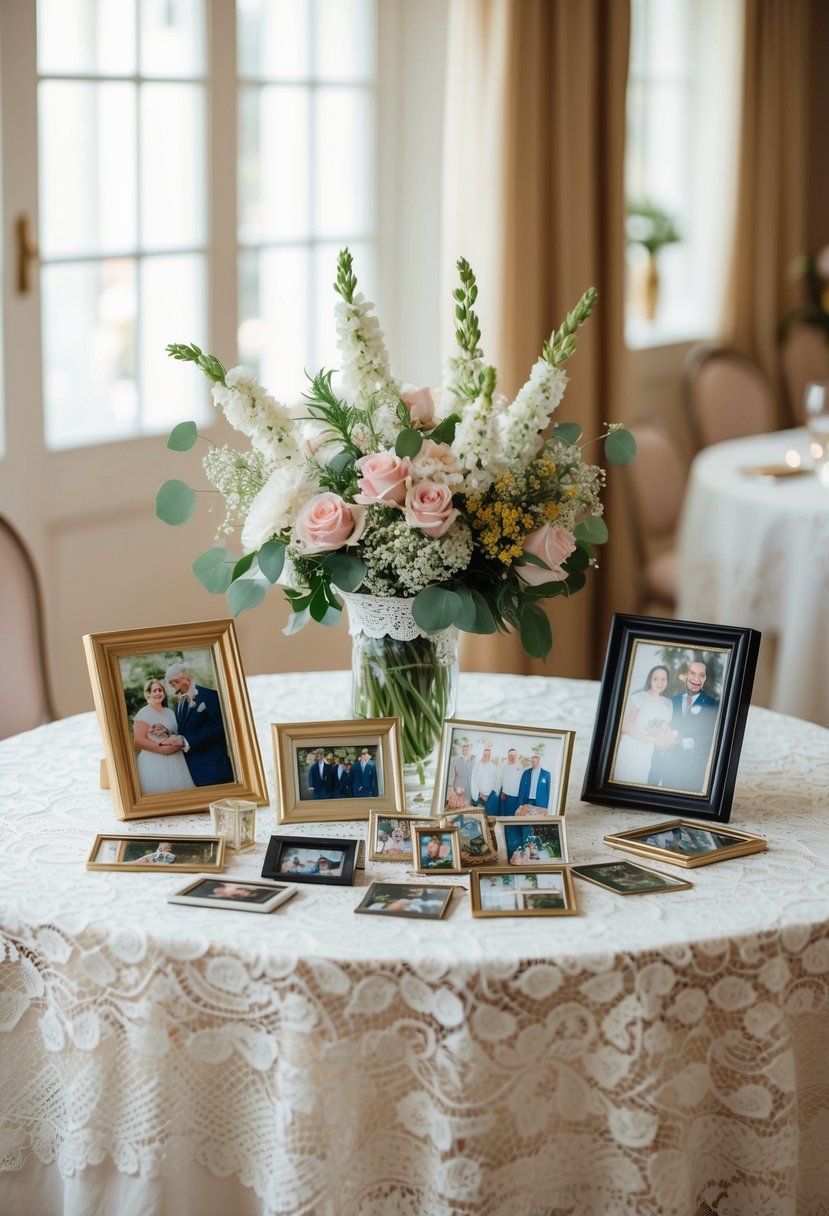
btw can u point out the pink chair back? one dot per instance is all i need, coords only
(726, 396)
(657, 482)
(805, 356)
(28, 702)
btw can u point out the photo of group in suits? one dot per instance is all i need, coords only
(503, 770)
(669, 717)
(342, 768)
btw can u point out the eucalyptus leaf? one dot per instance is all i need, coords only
(579, 559)
(339, 463)
(435, 608)
(465, 617)
(567, 432)
(183, 436)
(175, 502)
(620, 447)
(575, 582)
(297, 621)
(346, 569)
(242, 566)
(484, 619)
(593, 530)
(444, 432)
(272, 559)
(535, 632)
(214, 569)
(332, 617)
(530, 559)
(409, 442)
(246, 593)
(319, 604)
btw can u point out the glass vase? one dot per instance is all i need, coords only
(399, 671)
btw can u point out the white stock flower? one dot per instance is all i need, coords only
(250, 410)
(522, 423)
(436, 462)
(365, 368)
(277, 504)
(477, 443)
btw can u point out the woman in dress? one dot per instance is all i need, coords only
(161, 769)
(647, 717)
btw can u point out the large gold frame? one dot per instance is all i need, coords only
(127, 867)
(103, 651)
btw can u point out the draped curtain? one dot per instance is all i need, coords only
(534, 199)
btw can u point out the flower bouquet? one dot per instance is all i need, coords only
(429, 511)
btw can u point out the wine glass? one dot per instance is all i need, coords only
(816, 410)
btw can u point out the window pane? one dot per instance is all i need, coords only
(274, 173)
(345, 39)
(86, 36)
(344, 169)
(172, 166)
(87, 168)
(89, 352)
(172, 38)
(173, 309)
(272, 39)
(273, 334)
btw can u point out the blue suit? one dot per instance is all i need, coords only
(542, 790)
(344, 783)
(322, 783)
(202, 727)
(364, 780)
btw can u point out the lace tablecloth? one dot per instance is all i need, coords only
(652, 1055)
(755, 551)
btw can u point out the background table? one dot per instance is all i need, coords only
(755, 551)
(645, 1056)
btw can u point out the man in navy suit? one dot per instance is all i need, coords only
(321, 777)
(682, 764)
(534, 789)
(364, 781)
(201, 726)
(344, 779)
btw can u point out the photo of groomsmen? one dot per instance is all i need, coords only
(364, 780)
(321, 777)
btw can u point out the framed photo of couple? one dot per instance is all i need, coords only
(671, 716)
(175, 717)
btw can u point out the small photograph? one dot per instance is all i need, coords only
(502, 770)
(533, 841)
(338, 770)
(310, 859)
(506, 891)
(158, 853)
(683, 843)
(405, 899)
(436, 848)
(627, 878)
(390, 837)
(477, 846)
(248, 895)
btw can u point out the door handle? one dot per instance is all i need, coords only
(27, 253)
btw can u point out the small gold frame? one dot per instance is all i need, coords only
(667, 882)
(531, 899)
(134, 865)
(104, 652)
(552, 823)
(688, 832)
(380, 735)
(446, 837)
(389, 854)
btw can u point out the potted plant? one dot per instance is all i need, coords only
(651, 227)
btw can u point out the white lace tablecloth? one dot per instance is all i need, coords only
(651, 1055)
(755, 551)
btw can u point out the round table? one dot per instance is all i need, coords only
(755, 551)
(651, 1054)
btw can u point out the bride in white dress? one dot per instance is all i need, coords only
(161, 764)
(647, 716)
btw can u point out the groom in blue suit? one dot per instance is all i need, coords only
(201, 726)
(364, 782)
(534, 790)
(321, 777)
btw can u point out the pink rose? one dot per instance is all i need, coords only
(382, 478)
(553, 545)
(429, 507)
(328, 522)
(421, 406)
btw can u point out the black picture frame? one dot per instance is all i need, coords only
(698, 788)
(281, 848)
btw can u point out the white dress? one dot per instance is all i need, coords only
(634, 756)
(159, 773)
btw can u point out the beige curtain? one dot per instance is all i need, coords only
(783, 189)
(534, 198)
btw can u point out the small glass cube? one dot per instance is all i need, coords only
(234, 819)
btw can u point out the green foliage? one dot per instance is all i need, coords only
(345, 570)
(209, 364)
(593, 530)
(136, 669)
(475, 614)
(444, 432)
(183, 436)
(214, 569)
(567, 432)
(435, 608)
(271, 558)
(534, 631)
(562, 342)
(243, 594)
(650, 226)
(175, 502)
(409, 442)
(468, 331)
(619, 446)
(325, 406)
(346, 281)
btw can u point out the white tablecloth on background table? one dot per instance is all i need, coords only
(646, 1056)
(755, 551)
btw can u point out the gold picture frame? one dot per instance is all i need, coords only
(121, 665)
(437, 849)
(629, 878)
(683, 842)
(396, 830)
(305, 796)
(521, 891)
(536, 837)
(466, 741)
(111, 851)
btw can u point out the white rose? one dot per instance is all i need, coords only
(276, 505)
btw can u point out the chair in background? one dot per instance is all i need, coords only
(726, 395)
(655, 486)
(804, 355)
(28, 699)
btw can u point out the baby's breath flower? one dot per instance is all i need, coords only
(402, 560)
(238, 476)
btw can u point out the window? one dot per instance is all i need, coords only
(682, 120)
